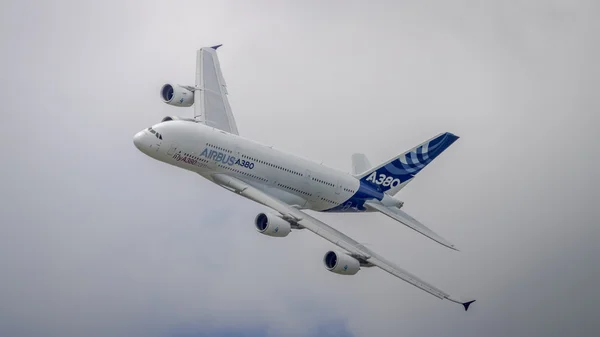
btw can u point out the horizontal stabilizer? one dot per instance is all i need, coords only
(360, 163)
(400, 216)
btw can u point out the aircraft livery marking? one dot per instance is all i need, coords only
(383, 180)
(187, 159)
(225, 158)
(407, 165)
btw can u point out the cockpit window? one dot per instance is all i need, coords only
(156, 134)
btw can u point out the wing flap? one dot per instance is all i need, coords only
(409, 222)
(360, 163)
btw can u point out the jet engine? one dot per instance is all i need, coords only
(177, 95)
(272, 225)
(341, 263)
(176, 118)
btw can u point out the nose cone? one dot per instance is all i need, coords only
(138, 140)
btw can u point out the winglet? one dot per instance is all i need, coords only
(217, 46)
(467, 304)
(464, 304)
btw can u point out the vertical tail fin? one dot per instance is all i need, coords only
(393, 175)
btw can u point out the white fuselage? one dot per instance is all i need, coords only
(291, 179)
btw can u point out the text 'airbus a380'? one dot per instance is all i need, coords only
(210, 145)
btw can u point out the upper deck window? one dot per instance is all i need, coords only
(158, 135)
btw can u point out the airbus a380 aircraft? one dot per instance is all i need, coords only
(210, 145)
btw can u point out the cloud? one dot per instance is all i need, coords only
(98, 239)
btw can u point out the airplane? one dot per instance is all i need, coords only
(209, 144)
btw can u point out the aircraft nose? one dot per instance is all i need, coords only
(138, 140)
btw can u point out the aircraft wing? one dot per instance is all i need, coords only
(330, 234)
(210, 95)
(400, 216)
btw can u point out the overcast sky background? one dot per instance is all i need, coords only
(97, 239)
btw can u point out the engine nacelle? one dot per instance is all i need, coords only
(177, 95)
(176, 118)
(272, 225)
(341, 263)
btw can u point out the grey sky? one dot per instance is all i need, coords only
(97, 239)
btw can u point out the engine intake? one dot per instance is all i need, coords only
(272, 225)
(177, 95)
(341, 263)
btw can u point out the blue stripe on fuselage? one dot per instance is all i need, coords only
(356, 203)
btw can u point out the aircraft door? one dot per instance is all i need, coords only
(313, 189)
(307, 176)
(173, 149)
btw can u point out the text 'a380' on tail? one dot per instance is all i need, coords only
(391, 176)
